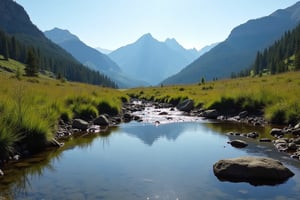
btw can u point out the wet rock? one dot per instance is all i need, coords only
(186, 105)
(276, 132)
(254, 170)
(238, 143)
(101, 121)
(252, 135)
(297, 126)
(210, 114)
(297, 140)
(243, 114)
(292, 146)
(80, 124)
(1, 173)
(265, 140)
(163, 113)
(296, 131)
(281, 145)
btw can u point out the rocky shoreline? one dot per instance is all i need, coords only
(286, 139)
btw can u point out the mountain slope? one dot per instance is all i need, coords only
(238, 51)
(152, 60)
(91, 57)
(16, 23)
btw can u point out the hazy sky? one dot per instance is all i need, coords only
(111, 24)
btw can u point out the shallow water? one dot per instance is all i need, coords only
(145, 161)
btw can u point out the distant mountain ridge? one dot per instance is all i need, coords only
(238, 51)
(152, 60)
(91, 57)
(15, 22)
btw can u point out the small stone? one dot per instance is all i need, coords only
(1, 173)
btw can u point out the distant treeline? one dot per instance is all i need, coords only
(282, 56)
(52, 59)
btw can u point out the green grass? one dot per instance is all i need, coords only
(276, 96)
(30, 108)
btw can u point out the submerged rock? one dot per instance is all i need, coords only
(238, 143)
(254, 170)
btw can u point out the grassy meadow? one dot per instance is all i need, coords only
(277, 96)
(31, 107)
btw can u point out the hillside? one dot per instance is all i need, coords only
(16, 25)
(152, 60)
(239, 50)
(282, 56)
(91, 57)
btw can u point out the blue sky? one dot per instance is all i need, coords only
(111, 24)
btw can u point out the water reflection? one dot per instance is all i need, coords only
(149, 133)
(18, 174)
(138, 160)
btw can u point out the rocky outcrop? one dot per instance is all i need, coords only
(186, 105)
(254, 170)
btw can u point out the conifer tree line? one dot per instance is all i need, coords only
(282, 56)
(36, 60)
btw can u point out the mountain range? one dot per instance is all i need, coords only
(238, 51)
(91, 57)
(152, 60)
(16, 23)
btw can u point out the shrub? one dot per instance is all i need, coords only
(85, 111)
(8, 139)
(105, 108)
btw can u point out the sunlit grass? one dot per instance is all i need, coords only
(271, 94)
(30, 108)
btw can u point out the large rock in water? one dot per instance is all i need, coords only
(80, 124)
(254, 170)
(186, 105)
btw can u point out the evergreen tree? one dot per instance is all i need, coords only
(5, 49)
(297, 61)
(31, 68)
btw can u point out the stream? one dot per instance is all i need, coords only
(167, 156)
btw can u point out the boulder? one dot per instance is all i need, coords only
(186, 105)
(238, 143)
(276, 132)
(297, 126)
(101, 121)
(80, 124)
(254, 170)
(210, 114)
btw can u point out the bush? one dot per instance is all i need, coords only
(105, 108)
(35, 132)
(278, 116)
(85, 112)
(8, 139)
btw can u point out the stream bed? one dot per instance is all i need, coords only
(147, 160)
